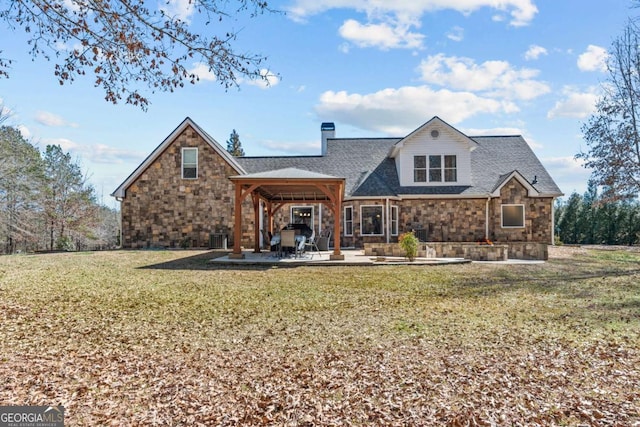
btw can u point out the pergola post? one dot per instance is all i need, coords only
(337, 214)
(256, 220)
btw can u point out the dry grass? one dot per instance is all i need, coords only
(165, 338)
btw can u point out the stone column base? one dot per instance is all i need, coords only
(334, 257)
(236, 256)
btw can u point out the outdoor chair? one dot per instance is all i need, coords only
(288, 240)
(311, 243)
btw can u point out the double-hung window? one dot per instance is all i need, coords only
(441, 168)
(348, 220)
(435, 168)
(450, 169)
(394, 220)
(419, 168)
(189, 163)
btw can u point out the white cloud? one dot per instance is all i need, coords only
(574, 104)
(50, 119)
(178, 9)
(384, 36)
(267, 80)
(534, 52)
(492, 78)
(399, 111)
(593, 59)
(522, 11)
(456, 34)
(568, 172)
(97, 153)
(202, 72)
(24, 131)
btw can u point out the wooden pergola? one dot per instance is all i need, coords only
(282, 187)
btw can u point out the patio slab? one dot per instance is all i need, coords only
(351, 257)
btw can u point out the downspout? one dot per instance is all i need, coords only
(486, 222)
(553, 221)
(120, 200)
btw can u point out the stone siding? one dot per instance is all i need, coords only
(537, 213)
(472, 251)
(160, 209)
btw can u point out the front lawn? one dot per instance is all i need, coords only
(165, 338)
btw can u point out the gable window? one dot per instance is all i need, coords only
(435, 169)
(512, 216)
(441, 168)
(371, 221)
(348, 220)
(419, 168)
(394, 220)
(189, 163)
(450, 169)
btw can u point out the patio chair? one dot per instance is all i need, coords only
(311, 243)
(266, 242)
(288, 240)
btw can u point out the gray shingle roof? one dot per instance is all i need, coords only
(369, 172)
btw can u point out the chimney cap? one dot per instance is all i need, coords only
(327, 126)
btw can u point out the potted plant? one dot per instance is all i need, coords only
(409, 243)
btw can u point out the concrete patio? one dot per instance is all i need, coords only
(354, 257)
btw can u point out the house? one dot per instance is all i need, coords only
(445, 185)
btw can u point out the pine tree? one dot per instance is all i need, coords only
(234, 146)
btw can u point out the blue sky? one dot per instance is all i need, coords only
(375, 68)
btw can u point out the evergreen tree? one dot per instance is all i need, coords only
(20, 180)
(69, 203)
(234, 146)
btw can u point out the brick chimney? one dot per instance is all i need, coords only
(327, 130)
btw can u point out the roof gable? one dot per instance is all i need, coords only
(187, 122)
(436, 124)
(504, 179)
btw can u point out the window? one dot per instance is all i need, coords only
(512, 216)
(435, 169)
(371, 221)
(450, 174)
(302, 215)
(419, 168)
(348, 220)
(394, 220)
(189, 163)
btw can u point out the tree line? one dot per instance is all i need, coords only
(46, 202)
(592, 218)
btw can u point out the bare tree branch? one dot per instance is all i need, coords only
(126, 44)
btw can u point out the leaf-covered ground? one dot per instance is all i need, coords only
(165, 338)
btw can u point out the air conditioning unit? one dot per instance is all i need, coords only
(217, 241)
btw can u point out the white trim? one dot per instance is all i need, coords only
(381, 219)
(121, 190)
(182, 167)
(502, 206)
(344, 220)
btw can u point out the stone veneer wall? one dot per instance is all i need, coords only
(160, 209)
(473, 251)
(538, 214)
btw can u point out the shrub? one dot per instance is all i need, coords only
(409, 243)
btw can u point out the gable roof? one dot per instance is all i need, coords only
(121, 190)
(434, 121)
(505, 178)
